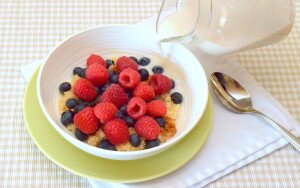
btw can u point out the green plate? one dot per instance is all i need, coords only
(69, 157)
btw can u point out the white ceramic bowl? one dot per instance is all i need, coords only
(113, 41)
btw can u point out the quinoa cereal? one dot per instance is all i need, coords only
(121, 104)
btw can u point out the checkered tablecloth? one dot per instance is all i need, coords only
(30, 29)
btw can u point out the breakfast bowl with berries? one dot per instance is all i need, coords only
(115, 96)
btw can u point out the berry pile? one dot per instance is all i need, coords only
(114, 96)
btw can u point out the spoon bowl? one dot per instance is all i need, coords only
(235, 97)
(231, 93)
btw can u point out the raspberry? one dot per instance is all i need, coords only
(93, 58)
(115, 94)
(116, 131)
(105, 111)
(147, 128)
(129, 78)
(156, 108)
(144, 91)
(136, 107)
(160, 83)
(124, 63)
(86, 121)
(97, 74)
(84, 89)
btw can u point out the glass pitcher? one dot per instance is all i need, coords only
(225, 26)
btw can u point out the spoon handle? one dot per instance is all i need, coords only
(286, 134)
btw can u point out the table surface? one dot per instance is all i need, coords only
(30, 29)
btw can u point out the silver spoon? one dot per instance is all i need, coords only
(238, 100)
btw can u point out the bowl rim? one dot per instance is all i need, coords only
(105, 152)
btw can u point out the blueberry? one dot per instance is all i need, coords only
(65, 86)
(134, 59)
(129, 94)
(104, 88)
(135, 140)
(71, 103)
(98, 99)
(67, 117)
(152, 143)
(161, 122)
(144, 61)
(173, 84)
(79, 71)
(92, 104)
(111, 72)
(129, 121)
(109, 62)
(105, 144)
(121, 114)
(114, 78)
(176, 98)
(80, 135)
(144, 74)
(123, 108)
(85, 103)
(157, 69)
(78, 108)
(98, 90)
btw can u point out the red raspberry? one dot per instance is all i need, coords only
(86, 121)
(129, 78)
(156, 108)
(124, 63)
(116, 131)
(93, 58)
(105, 111)
(147, 128)
(84, 89)
(160, 83)
(144, 91)
(115, 94)
(97, 74)
(136, 107)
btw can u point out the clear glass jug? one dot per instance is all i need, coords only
(225, 26)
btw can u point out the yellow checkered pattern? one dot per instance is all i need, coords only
(30, 29)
